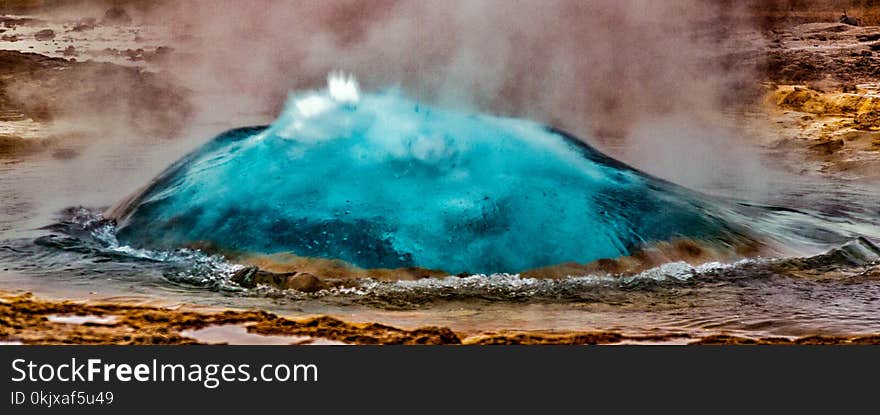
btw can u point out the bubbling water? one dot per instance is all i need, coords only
(381, 181)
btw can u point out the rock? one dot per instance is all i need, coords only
(9, 38)
(868, 121)
(827, 147)
(116, 16)
(160, 53)
(300, 281)
(87, 23)
(305, 282)
(250, 277)
(848, 20)
(69, 51)
(45, 34)
(134, 55)
(869, 37)
(245, 277)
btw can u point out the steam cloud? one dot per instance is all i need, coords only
(602, 69)
(646, 81)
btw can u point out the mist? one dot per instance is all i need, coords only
(647, 82)
(601, 69)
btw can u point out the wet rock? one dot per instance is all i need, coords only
(357, 333)
(299, 281)
(830, 29)
(45, 34)
(869, 121)
(789, 67)
(245, 277)
(161, 52)
(869, 37)
(116, 16)
(250, 277)
(12, 22)
(69, 51)
(848, 20)
(828, 147)
(16, 146)
(26, 319)
(149, 102)
(134, 55)
(305, 282)
(82, 25)
(109, 52)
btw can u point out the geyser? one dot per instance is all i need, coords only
(381, 181)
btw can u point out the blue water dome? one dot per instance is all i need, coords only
(381, 181)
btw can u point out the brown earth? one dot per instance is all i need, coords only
(26, 319)
(43, 89)
(14, 145)
(775, 13)
(822, 97)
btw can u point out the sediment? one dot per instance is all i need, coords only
(26, 319)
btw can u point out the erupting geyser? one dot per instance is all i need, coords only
(381, 181)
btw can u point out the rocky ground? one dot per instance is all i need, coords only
(61, 81)
(28, 320)
(822, 97)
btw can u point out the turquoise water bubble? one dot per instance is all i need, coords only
(382, 181)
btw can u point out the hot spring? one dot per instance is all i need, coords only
(381, 181)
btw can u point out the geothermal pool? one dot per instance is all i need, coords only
(379, 181)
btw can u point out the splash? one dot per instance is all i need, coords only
(381, 181)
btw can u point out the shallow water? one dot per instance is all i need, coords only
(71, 258)
(100, 43)
(235, 334)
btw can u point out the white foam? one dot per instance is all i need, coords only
(343, 88)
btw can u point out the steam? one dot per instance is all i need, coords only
(648, 82)
(601, 69)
